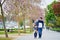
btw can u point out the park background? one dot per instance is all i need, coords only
(17, 17)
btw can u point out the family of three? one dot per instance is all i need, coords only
(38, 26)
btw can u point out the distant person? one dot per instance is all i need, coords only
(40, 24)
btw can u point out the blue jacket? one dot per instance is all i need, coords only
(37, 24)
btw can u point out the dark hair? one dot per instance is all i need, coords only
(40, 17)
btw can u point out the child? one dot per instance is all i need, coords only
(35, 31)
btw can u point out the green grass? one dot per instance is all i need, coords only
(16, 31)
(5, 38)
(56, 29)
(2, 32)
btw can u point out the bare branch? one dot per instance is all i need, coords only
(3, 2)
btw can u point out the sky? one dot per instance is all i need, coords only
(44, 3)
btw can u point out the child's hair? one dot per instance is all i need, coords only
(35, 25)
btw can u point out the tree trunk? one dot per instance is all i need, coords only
(18, 21)
(31, 26)
(3, 21)
(24, 24)
(18, 29)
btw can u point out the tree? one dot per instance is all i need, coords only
(56, 8)
(57, 24)
(3, 18)
(50, 17)
(14, 7)
(52, 13)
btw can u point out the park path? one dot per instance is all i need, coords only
(47, 35)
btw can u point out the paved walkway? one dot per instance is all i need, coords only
(47, 35)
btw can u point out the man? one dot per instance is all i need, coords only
(40, 25)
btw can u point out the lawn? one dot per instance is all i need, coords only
(56, 29)
(2, 32)
(16, 31)
(5, 38)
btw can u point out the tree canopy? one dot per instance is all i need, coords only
(50, 17)
(56, 7)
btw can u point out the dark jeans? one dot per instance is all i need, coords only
(40, 32)
(40, 35)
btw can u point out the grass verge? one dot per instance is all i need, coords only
(56, 29)
(1, 38)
